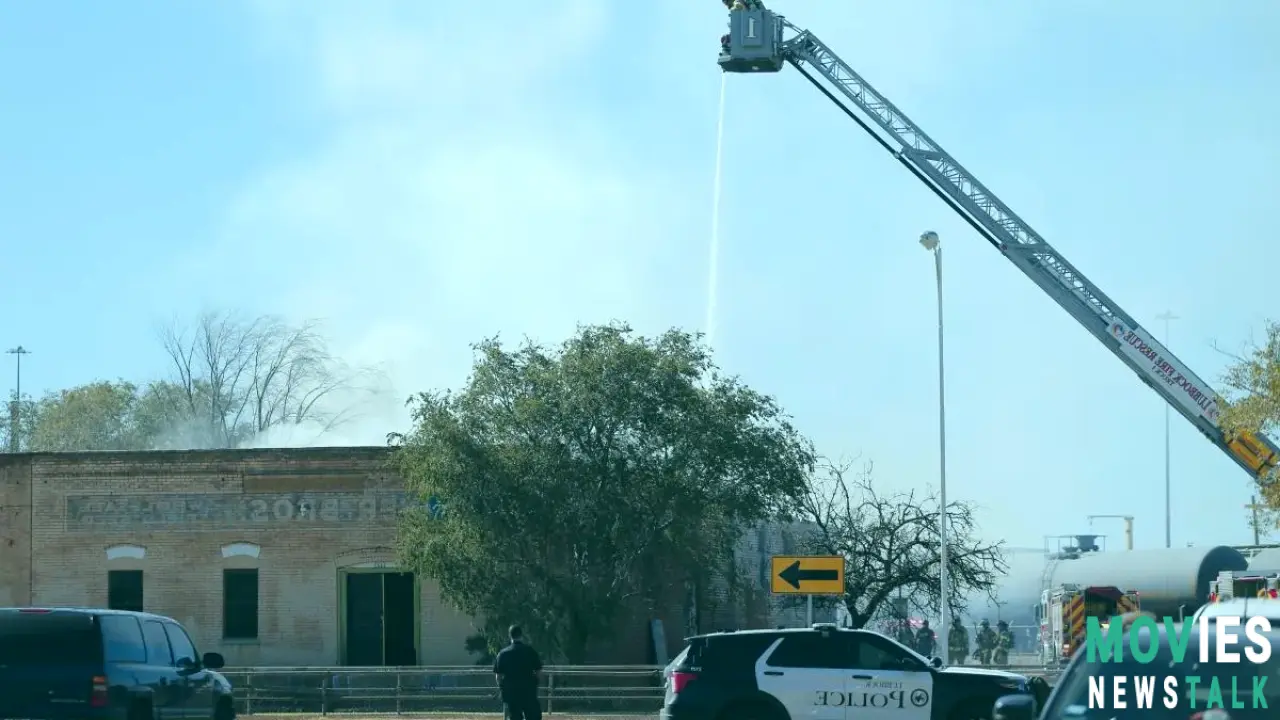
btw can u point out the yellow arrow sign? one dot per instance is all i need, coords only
(807, 575)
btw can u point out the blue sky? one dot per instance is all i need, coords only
(421, 175)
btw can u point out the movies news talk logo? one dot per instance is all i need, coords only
(1221, 642)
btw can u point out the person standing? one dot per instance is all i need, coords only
(516, 670)
(986, 643)
(1004, 644)
(958, 644)
(925, 640)
(905, 635)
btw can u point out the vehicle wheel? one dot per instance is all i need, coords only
(973, 710)
(224, 710)
(749, 711)
(141, 710)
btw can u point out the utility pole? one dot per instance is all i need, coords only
(1254, 507)
(999, 609)
(1166, 316)
(15, 410)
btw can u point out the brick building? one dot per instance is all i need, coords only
(272, 557)
(279, 557)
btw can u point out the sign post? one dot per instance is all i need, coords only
(807, 575)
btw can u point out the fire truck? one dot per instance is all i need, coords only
(1246, 584)
(1064, 613)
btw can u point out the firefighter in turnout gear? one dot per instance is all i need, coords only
(1004, 644)
(925, 640)
(986, 643)
(905, 636)
(958, 643)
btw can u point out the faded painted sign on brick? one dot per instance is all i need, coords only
(219, 511)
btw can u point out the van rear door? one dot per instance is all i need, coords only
(48, 663)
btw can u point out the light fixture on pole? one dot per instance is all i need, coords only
(15, 409)
(931, 243)
(1168, 506)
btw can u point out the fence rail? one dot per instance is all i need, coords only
(462, 689)
(617, 689)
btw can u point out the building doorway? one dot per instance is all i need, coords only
(379, 617)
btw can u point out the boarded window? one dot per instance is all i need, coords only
(240, 604)
(124, 590)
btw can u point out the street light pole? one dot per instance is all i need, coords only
(15, 410)
(1168, 508)
(930, 242)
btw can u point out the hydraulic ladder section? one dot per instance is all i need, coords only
(760, 40)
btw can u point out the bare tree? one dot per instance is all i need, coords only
(235, 376)
(891, 544)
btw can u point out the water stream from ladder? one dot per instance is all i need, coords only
(713, 260)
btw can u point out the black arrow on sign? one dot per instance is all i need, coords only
(793, 575)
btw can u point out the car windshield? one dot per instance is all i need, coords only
(1246, 690)
(48, 639)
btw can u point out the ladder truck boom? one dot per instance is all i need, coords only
(760, 40)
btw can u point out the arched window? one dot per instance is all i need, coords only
(240, 591)
(124, 577)
(245, 550)
(124, 553)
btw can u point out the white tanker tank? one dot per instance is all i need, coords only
(1170, 581)
(1267, 561)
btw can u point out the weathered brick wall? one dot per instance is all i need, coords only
(310, 512)
(15, 530)
(307, 514)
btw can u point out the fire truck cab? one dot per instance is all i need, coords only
(1064, 613)
(1247, 584)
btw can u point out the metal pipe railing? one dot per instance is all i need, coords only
(620, 689)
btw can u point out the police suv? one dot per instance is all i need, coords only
(824, 673)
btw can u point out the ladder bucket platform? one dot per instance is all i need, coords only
(754, 42)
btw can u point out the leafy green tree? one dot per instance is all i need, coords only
(97, 416)
(1252, 384)
(106, 415)
(26, 413)
(484, 648)
(576, 479)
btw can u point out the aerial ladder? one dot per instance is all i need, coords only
(761, 41)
